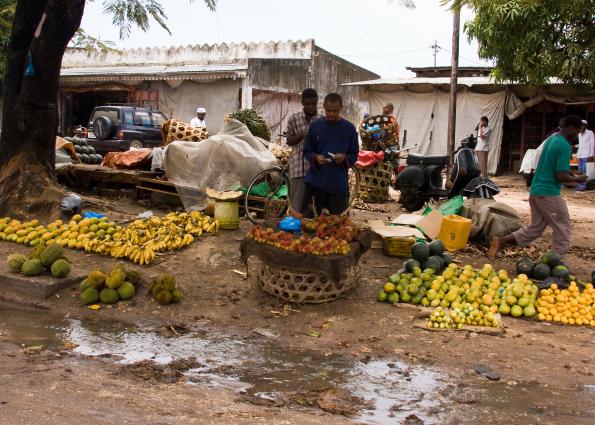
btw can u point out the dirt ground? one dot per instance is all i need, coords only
(57, 387)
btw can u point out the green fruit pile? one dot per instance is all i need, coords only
(109, 288)
(457, 318)
(550, 265)
(484, 290)
(41, 258)
(165, 291)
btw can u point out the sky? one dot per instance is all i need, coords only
(379, 35)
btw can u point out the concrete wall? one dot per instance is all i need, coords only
(329, 72)
(197, 54)
(218, 97)
(279, 75)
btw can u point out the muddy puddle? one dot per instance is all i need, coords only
(387, 392)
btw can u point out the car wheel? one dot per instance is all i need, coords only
(136, 144)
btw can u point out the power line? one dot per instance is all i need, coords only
(380, 55)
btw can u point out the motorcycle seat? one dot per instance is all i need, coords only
(416, 159)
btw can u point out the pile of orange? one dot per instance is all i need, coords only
(568, 306)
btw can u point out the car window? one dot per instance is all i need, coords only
(128, 119)
(113, 114)
(142, 118)
(158, 118)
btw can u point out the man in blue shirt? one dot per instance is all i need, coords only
(331, 147)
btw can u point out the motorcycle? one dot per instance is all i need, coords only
(422, 180)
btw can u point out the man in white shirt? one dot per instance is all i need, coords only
(199, 121)
(585, 153)
(482, 148)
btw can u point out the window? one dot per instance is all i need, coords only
(128, 120)
(142, 118)
(158, 119)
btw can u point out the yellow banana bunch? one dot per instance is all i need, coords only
(142, 255)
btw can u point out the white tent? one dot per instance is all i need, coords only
(421, 107)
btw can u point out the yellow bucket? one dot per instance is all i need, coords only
(228, 214)
(454, 232)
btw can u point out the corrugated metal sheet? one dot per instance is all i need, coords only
(154, 72)
(440, 81)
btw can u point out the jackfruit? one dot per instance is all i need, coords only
(32, 267)
(156, 287)
(126, 291)
(60, 268)
(89, 296)
(109, 296)
(116, 278)
(132, 276)
(176, 296)
(85, 284)
(96, 278)
(168, 282)
(15, 262)
(51, 254)
(163, 297)
(36, 252)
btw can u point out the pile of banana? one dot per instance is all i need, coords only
(143, 238)
(139, 241)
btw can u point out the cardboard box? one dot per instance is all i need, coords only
(405, 225)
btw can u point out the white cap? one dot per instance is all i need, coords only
(201, 111)
(584, 122)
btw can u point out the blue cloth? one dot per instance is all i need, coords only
(330, 137)
(91, 214)
(582, 168)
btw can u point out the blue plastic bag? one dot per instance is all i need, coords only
(91, 214)
(291, 224)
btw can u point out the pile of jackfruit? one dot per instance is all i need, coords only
(118, 284)
(165, 290)
(42, 258)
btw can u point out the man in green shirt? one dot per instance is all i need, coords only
(547, 206)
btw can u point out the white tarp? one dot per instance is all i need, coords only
(225, 161)
(276, 108)
(425, 117)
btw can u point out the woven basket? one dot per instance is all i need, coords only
(375, 182)
(305, 288)
(379, 132)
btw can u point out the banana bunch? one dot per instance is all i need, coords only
(142, 255)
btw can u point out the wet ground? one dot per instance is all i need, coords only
(350, 361)
(263, 372)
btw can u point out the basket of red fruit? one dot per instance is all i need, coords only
(316, 265)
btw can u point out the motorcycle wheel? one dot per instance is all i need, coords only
(412, 201)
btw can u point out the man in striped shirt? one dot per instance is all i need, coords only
(297, 128)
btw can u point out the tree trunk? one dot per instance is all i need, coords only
(30, 117)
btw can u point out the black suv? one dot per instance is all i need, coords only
(119, 128)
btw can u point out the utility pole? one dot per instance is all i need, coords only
(435, 47)
(452, 104)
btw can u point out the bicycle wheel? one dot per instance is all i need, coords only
(354, 180)
(264, 199)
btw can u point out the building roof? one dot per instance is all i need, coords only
(153, 72)
(440, 81)
(447, 68)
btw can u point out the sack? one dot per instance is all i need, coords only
(454, 232)
(452, 206)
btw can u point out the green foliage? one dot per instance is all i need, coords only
(534, 40)
(255, 123)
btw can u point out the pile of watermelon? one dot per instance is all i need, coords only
(86, 153)
(550, 265)
(428, 256)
